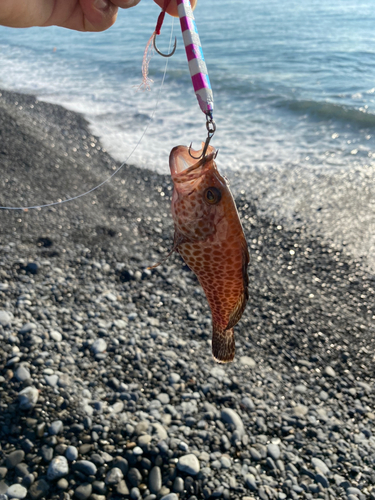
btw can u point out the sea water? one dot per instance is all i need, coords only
(294, 90)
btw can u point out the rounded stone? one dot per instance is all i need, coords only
(189, 464)
(55, 428)
(5, 318)
(178, 485)
(86, 467)
(71, 453)
(62, 484)
(319, 465)
(56, 336)
(27, 328)
(155, 480)
(16, 491)
(99, 346)
(225, 462)
(273, 451)
(51, 380)
(134, 476)
(231, 417)
(250, 482)
(114, 476)
(28, 398)
(163, 398)
(135, 493)
(170, 496)
(57, 468)
(174, 378)
(22, 374)
(83, 491)
(247, 361)
(14, 458)
(330, 371)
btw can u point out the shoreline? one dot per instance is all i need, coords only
(305, 345)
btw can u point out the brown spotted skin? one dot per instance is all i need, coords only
(210, 239)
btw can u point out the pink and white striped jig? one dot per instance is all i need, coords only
(197, 65)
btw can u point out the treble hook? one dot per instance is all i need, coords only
(211, 129)
(161, 53)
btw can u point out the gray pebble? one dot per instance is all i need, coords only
(174, 378)
(86, 467)
(163, 398)
(122, 489)
(16, 491)
(178, 485)
(225, 462)
(134, 476)
(170, 496)
(250, 482)
(155, 480)
(189, 464)
(113, 476)
(83, 491)
(22, 374)
(14, 458)
(56, 336)
(248, 402)
(321, 479)
(99, 346)
(62, 484)
(28, 398)
(55, 428)
(247, 361)
(27, 327)
(231, 417)
(273, 451)
(5, 318)
(21, 470)
(300, 411)
(255, 455)
(330, 371)
(57, 468)
(319, 465)
(51, 380)
(39, 489)
(135, 493)
(71, 453)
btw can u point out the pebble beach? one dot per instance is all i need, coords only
(108, 389)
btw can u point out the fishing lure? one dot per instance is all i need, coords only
(197, 65)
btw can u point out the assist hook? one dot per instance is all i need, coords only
(161, 53)
(211, 129)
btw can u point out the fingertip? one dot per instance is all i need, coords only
(126, 4)
(101, 17)
(172, 9)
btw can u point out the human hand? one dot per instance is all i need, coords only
(172, 7)
(80, 15)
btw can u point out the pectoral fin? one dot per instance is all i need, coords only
(177, 240)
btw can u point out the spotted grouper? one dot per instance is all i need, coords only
(210, 239)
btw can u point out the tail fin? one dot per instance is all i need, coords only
(223, 347)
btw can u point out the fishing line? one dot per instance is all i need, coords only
(108, 179)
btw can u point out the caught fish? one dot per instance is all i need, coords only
(210, 239)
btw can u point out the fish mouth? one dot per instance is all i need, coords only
(185, 168)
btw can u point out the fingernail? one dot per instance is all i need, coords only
(101, 4)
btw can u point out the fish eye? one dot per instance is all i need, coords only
(212, 196)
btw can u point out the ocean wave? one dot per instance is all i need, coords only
(329, 111)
